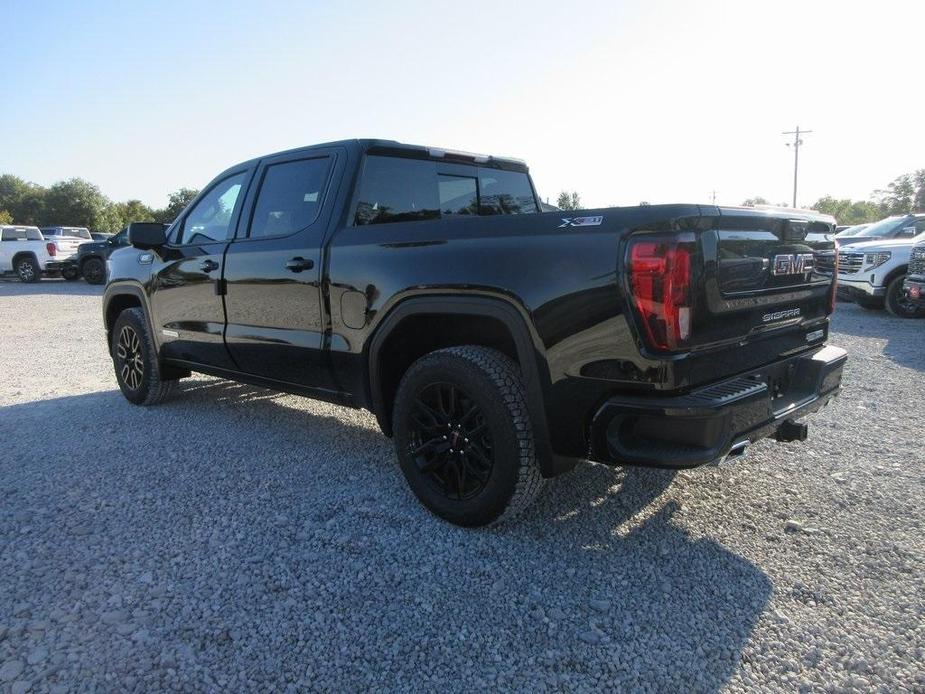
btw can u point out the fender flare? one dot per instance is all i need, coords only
(529, 354)
(124, 288)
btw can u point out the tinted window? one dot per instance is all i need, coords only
(120, 239)
(505, 192)
(290, 197)
(210, 219)
(21, 234)
(76, 233)
(397, 190)
(458, 195)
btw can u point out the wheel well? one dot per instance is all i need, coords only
(24, 254)
(421, 334)
(896, 272)
(117, 305)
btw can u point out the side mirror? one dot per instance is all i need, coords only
(147, 235)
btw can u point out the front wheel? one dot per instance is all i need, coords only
(898, 303)
(464, 438)
(27, 269)
(134, 358)
(94, 271)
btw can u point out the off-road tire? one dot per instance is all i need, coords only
(151, 387)
(895, 303)
(27, 270)
(492, 382)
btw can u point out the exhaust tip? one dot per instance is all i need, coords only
(792, 431)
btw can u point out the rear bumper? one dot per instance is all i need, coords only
(915, 291)
(704, 425)
(849, 289)
(57, 265)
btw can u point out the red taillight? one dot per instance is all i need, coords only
(833, 290)
(660, 279)
(51, 249)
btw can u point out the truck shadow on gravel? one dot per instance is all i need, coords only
(233, 522)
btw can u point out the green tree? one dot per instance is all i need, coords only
(568, 201)
(76, 202)
(919, 179)
(5, 217)
(751, 202)
(177, 201)
(899, 197)
(23, 200)
(848, 211)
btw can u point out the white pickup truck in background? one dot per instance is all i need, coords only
(24, 251)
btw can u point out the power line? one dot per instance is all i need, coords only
(796, 156)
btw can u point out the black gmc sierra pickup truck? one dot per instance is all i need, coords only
(495, 343)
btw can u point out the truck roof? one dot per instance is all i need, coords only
(395, 148)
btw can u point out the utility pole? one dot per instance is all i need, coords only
(713, 193)
(796, 156)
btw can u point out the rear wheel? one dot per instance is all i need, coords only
(134, 358)
(463, 436)
(94, 271)
(27, 269)
(898, 303)
(70, 274)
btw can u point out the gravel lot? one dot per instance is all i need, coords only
(238, 539)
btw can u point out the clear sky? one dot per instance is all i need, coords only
(621, 101)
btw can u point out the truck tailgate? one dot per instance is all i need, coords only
(762, 277)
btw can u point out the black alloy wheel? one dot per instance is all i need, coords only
(130, 361)
(898, 303)
(450, 441)
(94, 271)
(463, 436)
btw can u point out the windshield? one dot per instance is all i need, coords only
(881, 228)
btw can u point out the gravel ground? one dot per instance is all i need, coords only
(238, 539)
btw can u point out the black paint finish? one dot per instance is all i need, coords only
(563, 290)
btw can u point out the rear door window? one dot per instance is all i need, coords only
(290, 197)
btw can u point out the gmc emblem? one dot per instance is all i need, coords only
(793, 264)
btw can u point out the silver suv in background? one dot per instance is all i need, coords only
(903, 226)
(872, 273)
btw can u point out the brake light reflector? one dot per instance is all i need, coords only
(51, 249)
(660, 279)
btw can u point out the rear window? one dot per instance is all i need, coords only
(393, 189)
(77, 233)
(397, 190)
(22, 234)
(505, 192)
